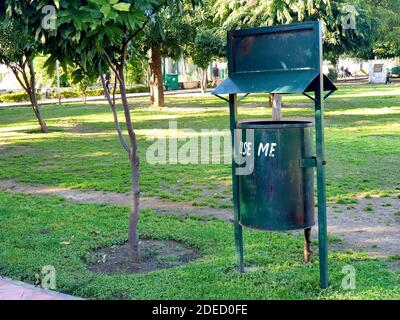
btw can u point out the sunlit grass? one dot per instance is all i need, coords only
(82, 151)
(362, 143)
(34, 230)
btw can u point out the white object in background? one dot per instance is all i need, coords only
(8, 82)
(377, 71)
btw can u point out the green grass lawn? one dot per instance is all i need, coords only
(46, 231)
(83, 151)
(362, 145)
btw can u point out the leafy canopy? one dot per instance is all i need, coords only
(208, 45)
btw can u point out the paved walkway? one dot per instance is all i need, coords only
(17, 290)
(98, 98)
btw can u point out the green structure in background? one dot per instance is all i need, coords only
(273, 161)
(171, 81)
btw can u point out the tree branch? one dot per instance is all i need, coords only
(125, 105)
(110, 64)
(14, 70)
(115, 115)
(144, 24)
(114, 89)
(138, 30)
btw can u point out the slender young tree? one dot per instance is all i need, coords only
(97, 34)
(17, 51)
(108, 36)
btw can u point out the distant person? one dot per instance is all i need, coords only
(347, 72)
(215, 75)
(107, 78)
(388, 81)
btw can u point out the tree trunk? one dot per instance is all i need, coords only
(276, 107)
(156, 82)
(203, 80)
(36, 110)
(33, 98)
(29, 86)
(133, 236)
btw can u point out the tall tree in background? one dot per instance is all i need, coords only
(208, 40)
(337, 39)
(387, 32)
(208, 46)
(236, 14)
(168, 35)
(341, 39)
(17, 51)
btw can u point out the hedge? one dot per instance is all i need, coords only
(23, 97)
(66, 94)
(16, 97)
(97, 92)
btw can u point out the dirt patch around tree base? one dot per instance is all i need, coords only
(155, 254)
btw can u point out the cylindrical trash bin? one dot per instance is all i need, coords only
(279, 192)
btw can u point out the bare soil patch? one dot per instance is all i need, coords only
(162, 206)
(6, 151)
(370, 225)
(82, 128)
(156, 255)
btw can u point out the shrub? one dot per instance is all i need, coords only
(20, 97)
(66, 94)
(94, 92)
(138, 89)
(396, 71)
(16, 97)
(333, 74)
(100, 92)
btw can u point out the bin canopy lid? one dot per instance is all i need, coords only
(279, 59)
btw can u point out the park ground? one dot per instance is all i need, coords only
(63, 195)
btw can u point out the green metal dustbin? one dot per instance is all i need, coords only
(279, 193)
(171, 81)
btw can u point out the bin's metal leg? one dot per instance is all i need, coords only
(237, 225)
(322, 222)
(235, 189)
(239, 244)
(307, 245)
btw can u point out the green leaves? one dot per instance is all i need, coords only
(105, 10)
(57, 3)
(110, 9)
(208, 45)
(15, 42)
(238, 13)
(122, 6)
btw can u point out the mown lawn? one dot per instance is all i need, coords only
(46, 231)
(362, 145)
(363, 153)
